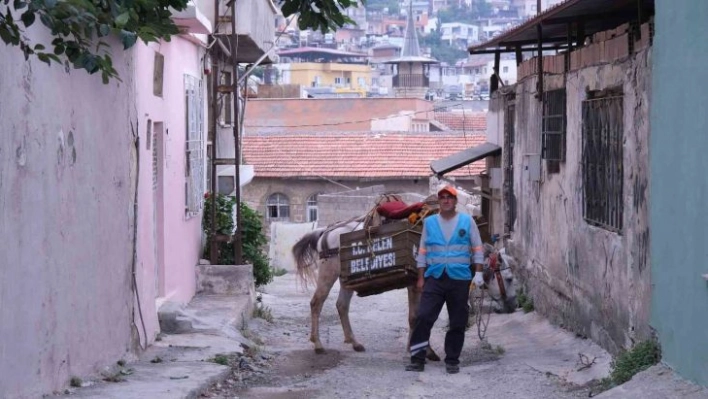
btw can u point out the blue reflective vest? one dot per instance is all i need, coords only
(453, 257)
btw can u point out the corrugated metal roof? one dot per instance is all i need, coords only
(598, 15)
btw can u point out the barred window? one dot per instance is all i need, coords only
(278, 207)
(194, 148)
(554, 122)
(602, 161)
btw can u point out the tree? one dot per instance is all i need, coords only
(440, 50)
(79, 27)
(323, 15)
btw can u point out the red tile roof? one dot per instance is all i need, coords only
(463, 121)
(356, 154)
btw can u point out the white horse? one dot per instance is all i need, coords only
(317, 258)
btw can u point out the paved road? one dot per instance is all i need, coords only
(525, 357)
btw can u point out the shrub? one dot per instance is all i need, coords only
(639, 358)
(253, 240)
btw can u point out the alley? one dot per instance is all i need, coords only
(525, 357)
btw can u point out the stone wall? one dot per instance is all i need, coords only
(586, 278)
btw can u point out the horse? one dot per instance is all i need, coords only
(317, 257)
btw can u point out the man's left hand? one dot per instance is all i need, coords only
(478, 280)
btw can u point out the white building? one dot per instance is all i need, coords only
(459, 34)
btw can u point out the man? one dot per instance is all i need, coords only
(447, 243)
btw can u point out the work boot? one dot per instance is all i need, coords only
(452, 368)
(415, 366)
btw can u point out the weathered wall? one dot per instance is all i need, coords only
(678, 187)
(591, 280)
(67, 173)
(298, 191)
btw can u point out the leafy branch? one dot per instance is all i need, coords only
(78, 27)
(323, 15)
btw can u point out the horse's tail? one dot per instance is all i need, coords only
(305, 253)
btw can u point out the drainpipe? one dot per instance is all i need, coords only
(213, 256)
(238, 249)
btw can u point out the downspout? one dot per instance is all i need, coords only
(238, 250)
(134, 263)
(213, 256)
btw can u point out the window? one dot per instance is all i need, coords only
(338, 81)
(278, 207)
(226, 185)
(505, 69)
(194, 165)
(361, 82)
(602, 161)
(227, 98)
(312, 208)
(508, 154)
(553, 125)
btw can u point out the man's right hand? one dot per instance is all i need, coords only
(420, 283)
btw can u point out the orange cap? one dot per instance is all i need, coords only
(450, 189)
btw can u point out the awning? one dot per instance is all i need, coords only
(463, 158)
(594, 15)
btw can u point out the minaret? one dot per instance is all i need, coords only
(411, 47)
(411, 70)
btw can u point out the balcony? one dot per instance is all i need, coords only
(411, 80)
(255, 28)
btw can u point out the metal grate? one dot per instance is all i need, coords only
(603, 161)
(508, 154)
(194, 166)
(554, 123)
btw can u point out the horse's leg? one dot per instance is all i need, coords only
(413, 302)
(343, 301)
(326, 276)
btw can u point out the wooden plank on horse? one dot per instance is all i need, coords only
(380, 259)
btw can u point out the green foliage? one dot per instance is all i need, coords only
(440, 50)
(639, 358)
(263, 312)
(525, 302)
(279, 271)
(253, 240)
(378, 5)
(78, 27)
(466, 14)
(323, 15)
(220, 359)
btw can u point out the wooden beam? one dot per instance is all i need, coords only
(519, 55)
(523, 50)
(539, 90)
(513, 43)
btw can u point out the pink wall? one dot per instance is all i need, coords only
(182, 235)
(66, 237)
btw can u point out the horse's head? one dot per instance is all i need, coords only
(502, 284)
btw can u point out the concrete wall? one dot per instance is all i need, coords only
(590, 280)
(304, 115)
(169, 235)
(678, 187)
(67, 174)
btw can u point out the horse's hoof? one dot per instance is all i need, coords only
(320, 351)
(432, 356)
(359, 348)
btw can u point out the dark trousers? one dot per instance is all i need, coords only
(437, 292)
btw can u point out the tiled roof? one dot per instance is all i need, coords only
(356, 154)
(463, 121)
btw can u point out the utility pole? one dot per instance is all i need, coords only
(238, 242)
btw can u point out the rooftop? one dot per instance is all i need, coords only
(356, 155)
